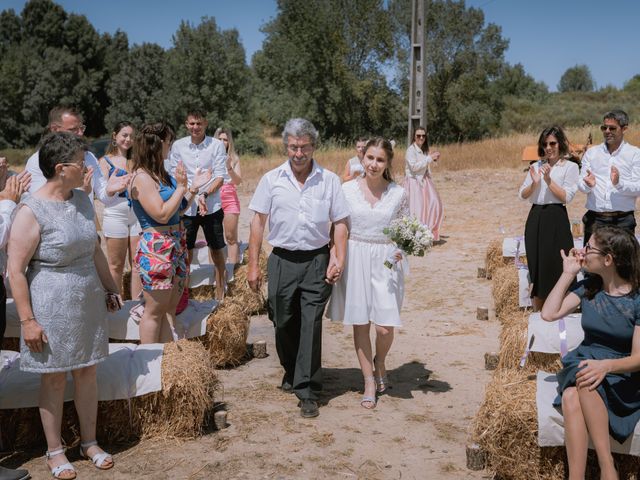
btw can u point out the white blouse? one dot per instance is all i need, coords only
(416, 162)
(564, 174)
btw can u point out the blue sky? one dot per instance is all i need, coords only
(546, 36)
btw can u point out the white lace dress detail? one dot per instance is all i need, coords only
(369, 291)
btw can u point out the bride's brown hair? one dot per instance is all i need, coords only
(385, 145)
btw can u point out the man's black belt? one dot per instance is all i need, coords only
(615, 214)
(299, 255)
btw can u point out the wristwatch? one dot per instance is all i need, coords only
(205, 194)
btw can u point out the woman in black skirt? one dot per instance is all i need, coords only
(550, 184)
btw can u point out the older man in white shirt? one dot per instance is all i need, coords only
(199, 151)
(610, 176)
(68, 119)
(302, 201)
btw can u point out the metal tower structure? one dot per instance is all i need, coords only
(418, 80)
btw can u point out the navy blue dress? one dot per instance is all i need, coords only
(608, 323)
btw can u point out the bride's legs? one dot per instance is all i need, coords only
(384, 339)
(363, 351)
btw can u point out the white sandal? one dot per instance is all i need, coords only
(98, 459)
(65, 467)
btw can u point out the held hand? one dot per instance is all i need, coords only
(590, 179)
(535, 176)
(334, 271)
(200, 178)
(86, 183)
(571, 263)
(34, 336)
(181, 175)
(254, 277)
(591, 373)
(615, 175)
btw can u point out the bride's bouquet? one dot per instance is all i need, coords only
(410, 236)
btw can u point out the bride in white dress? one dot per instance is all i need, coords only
(369, 292)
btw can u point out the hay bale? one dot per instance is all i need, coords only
(513, 343)
(227, 332)
(505, 291)
(203, 293)
(181, 409)
(506, 427)
(254, 302)
(493, 258)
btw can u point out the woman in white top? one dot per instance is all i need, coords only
(353, 168)
(549, 185)
(119, 224)
(229, 196)
(424, 201)
(368, 291)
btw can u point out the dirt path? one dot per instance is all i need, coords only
(418, 430)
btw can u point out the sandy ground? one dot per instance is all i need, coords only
(419, 429)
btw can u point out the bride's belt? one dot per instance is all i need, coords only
(379, 240)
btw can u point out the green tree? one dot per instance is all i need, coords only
(576, 79)
(136, 93)
(465, 60)
(324, 60)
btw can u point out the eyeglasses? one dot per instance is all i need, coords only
(549, 144)
(303, 148)
(590, 249)
(81, 165)
(608, 128)
(421, 135)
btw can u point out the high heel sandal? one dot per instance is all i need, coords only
(367, 400)
(382, 382)
(99, 459)
(56, 472)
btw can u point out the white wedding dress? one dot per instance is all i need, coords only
(368, 291)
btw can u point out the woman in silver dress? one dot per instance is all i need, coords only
(62, 289)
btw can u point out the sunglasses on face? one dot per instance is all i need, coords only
(608, 128)
(549, 144)
(419, 135)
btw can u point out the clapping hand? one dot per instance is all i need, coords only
(535, 175)
(615, 175)
(590, 179)
(200, 178)
(591, 373)
(545, 171)
(86, 183)
(181, 175)
(117, 184)
(15, 187)
(202, 205)
(435, 156)
(572, 263)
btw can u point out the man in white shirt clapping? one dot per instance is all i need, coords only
(302, 201)
(610, 176)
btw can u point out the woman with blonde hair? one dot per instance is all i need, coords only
(229, 196)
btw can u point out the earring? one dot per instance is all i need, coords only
(62, 174)
(113, 143)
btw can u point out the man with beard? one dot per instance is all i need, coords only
(302, 201)
(610, 176)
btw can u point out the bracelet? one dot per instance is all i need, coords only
(27, 320)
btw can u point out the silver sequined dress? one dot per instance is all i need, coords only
(66, 294)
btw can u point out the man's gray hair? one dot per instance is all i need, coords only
(619, 116)
(300, 127)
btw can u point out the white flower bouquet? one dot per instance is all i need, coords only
(410, 236)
